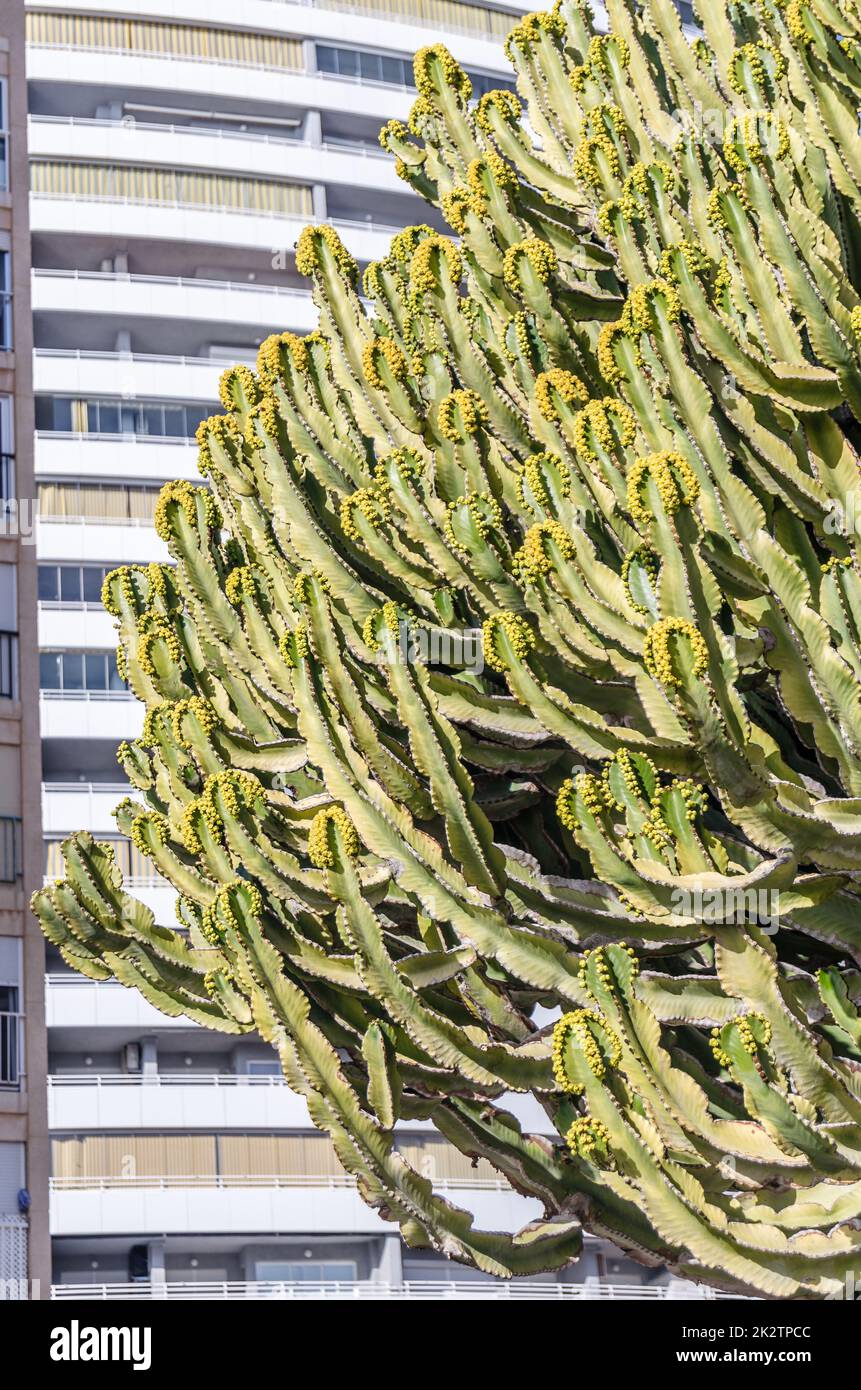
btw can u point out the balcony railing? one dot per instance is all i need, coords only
(10, 1051)
(89, 695)
(169, 1181)
(10, 849)
(220, 210)
(358, 147)
(428, 1290)
(231, 1080)
(174, 281)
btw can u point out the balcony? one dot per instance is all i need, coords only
(116, 456)
(82, 714)
(68, 806)
(243, 1205)
(76, 625)
(68, 372)
(129, 219)
(93, 540)
(426, 1291)
(263, 308)
(185, 1100)
(73, 1001)
(216, 148)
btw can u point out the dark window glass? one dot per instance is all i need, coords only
(174, 421)
(194, 414)
(392, 71)
(70, 584)
(49, 670)
(62, 415)
(327, 58)
(370, 67)
(114, 681)
(49, 589)
(96, 671)
(91, 583)
(109, 418)
(348, 62)
(45, 409)
(129, 420)
(73, 670)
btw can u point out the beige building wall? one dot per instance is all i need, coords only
(23, 1112)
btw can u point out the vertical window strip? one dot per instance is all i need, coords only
(151, 37)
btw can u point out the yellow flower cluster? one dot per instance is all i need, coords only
(517, 633)
(532, 559)
(577, 1028)
(461, 415)
(320, 843)
(836, 562)
(383, 350)
(856, 322)
(631, 768)
(274, 354)
(531, 29)
(152, 821)
(184, 495)
(660, 645)
(224, 429)
(648, 558)
(157, 630)
(308, 252)
(370, 502)
(200, 709)
(391, 134)
(506, 105)
(586, 164)
(428, 258)
(484, 513)
(693, 256)
(751, 54)
(586, 1135)
(539, 255)
(602, 48)
(603, 425)
(742, 145)
(238, 388)
(754, 1031)
(796, 12)
(607, 338)
(408, 465)
(674, 479)
(557, 382)
(532, 482)
(454, 206)
(241, 582)
(122, 576)
(148, 736)
(293, 647)
(638, 315)
(388, 616)
(436, 58)
(596, 960)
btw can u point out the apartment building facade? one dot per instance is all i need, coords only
(177, 147)
(24, 1240)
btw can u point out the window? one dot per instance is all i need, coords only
(154, 419)
(10, 1037)
(62, 178)
(7, 449)
(306, 1271)
(96, 502)
(365, 66)
(5, 301)
(8, 632)
(10, 849)
(4, 136)
(75, 673)
(73, 585)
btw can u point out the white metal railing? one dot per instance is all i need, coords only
(89, 695)
(107, 788)
(101, 1080)
(175, 281)
(224, 1181)
(220, 210)
(492, 1290)
(130, 358)
(175, 439)
(71, 978)
(358, 147)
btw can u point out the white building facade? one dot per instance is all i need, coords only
(177, 148)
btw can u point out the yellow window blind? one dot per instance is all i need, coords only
(195, 188)
(152, 38)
